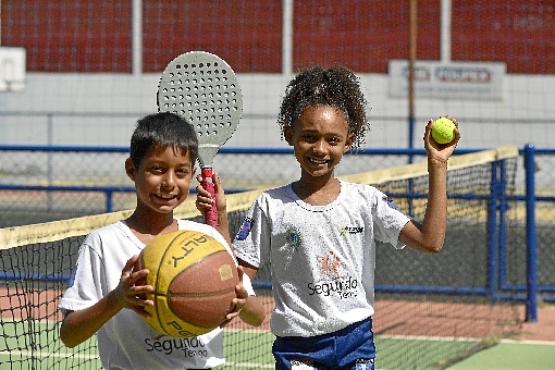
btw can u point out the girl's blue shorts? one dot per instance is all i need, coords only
(351, 348)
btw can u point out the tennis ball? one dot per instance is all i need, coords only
(443, 130)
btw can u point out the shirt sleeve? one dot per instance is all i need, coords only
(388, 220)
(83, 291)
(253, 238)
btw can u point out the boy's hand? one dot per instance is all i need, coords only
(238, 302)
(131, 290)
(205, 201)
(440, 152)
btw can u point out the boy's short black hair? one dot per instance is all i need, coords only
(165, 130)
(337, 87)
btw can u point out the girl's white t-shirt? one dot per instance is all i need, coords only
(322, 257)
(126, 341)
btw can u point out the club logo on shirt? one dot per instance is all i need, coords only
(334, 279)
(344, 230)
(330, 265)
(245, 229)
(191, 347)
(293, 238)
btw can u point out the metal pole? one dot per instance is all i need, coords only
(287, 38)
(413, 6)
(137, 37)
(445, 31)
(50, 164)
(531, 243)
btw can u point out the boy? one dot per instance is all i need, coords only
(104, 297)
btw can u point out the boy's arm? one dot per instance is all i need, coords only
(80, 325)
(430, 235)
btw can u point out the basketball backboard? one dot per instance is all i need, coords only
(12, 68)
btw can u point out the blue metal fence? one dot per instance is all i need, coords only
(497, 287)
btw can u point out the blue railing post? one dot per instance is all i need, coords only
(502, 226)
(492, 233)
(531, 243)
(410, 138)
(109, 204)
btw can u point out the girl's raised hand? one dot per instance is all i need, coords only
(440, 152)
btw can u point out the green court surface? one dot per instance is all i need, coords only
(511, 356)
(247, 350)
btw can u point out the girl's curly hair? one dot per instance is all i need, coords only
(337, 87)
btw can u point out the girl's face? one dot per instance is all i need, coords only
(163, 178)
(319, 137)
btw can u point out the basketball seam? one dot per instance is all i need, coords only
(195, 295)
(161, 325)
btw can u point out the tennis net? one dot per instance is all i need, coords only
(430, 309)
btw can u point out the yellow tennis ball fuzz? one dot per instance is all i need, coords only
(443, 130)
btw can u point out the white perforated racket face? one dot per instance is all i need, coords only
(202, 88)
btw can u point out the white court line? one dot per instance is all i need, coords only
(249, 365)
(430, 338)
(465, 339)
(537, 342)
(44, 354)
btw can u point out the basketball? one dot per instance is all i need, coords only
(194, 279)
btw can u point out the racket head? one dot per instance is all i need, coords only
(202, 88)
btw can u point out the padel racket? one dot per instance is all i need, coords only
(202, 88)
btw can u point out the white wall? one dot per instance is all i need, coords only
(101, 109)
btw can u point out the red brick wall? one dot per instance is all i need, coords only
(519, 33)
(247, 34)
(70, 36)
(364, 35)
(95, 36)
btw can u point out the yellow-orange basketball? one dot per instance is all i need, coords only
(194, 280)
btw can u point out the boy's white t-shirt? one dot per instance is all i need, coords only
(126, 341)
(322, 257)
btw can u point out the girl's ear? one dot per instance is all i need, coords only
(130, 169)
(288, 134)
(348, 143)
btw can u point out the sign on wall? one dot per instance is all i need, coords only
(12, 68)
(455, 80)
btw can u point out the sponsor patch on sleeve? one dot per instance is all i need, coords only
(390, 202)
(245, 229)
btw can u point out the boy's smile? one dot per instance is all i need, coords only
(320, 137)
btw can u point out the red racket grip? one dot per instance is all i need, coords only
(211, 215)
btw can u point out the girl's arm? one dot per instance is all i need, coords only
(253, 312)
(430, 235)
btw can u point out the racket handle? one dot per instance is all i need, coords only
(210, 215)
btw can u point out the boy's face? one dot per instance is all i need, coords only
(163, 178)
(320, 137)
